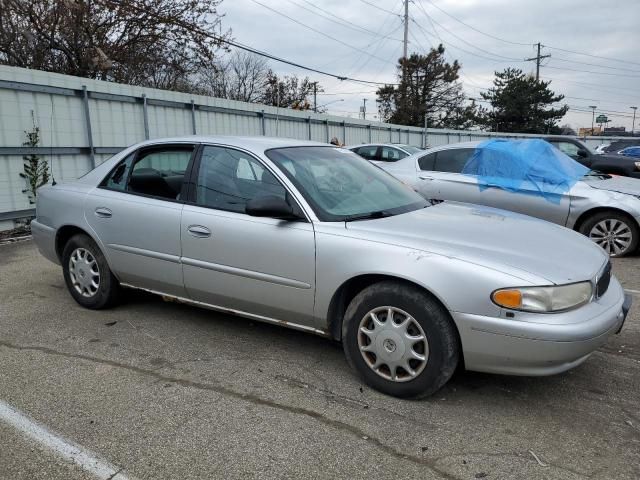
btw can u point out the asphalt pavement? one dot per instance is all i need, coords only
(154, 389)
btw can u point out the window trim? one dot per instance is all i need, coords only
(136, 156)
(195, 170)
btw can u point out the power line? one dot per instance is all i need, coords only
(595, 73)
(595, 65)
(475, 29)
(378, 7)
(591, 55)
(320, 32)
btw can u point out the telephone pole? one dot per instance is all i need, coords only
(364, 108)
(315, 99)
(633, 125)
(593, 115)
(406, 28)
(537, 59)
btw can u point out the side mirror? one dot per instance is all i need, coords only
(270, 206)
(582, 153)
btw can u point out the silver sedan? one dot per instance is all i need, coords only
(604, 208)
(315, 238)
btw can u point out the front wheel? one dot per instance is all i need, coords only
(400, 340)
(617, 234)
(87, 274)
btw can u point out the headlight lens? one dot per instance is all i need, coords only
(637, 165)
(544, 299)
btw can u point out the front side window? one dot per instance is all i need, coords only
(228, 178)
(452, 160)
(390, 154)
(341, 186)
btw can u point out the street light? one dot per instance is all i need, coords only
(335, 101)
(593, 116)
(633, 125)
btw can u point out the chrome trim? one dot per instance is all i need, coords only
(145, 253)
(265, 277)
(253, 316)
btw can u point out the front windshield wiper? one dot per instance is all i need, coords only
(597, 174)
(367, 216)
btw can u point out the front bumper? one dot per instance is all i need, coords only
(45, 239)
(514, 347)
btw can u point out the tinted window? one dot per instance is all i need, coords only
(160, 172)
(427, 162)
(368, 152)
(452, 160)
(228, 178)
(390, 154)
(117, 179)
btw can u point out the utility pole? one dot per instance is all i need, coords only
(406, 28)
(315, 99)
(364, 108)
(537, 59)
(593, 116)
(633, 125)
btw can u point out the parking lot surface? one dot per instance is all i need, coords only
(163, 390)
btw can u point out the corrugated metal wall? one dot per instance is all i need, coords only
(84, 121)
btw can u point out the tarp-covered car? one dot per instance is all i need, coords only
(534, 178)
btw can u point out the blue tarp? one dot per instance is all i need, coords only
(527, 166)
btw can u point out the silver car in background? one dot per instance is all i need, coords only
(384, 152)
(604, 208)
(313, 237)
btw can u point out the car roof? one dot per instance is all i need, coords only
(451, 146)
(373, 144)
(248, 142)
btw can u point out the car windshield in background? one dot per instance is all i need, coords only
(341, 185)
(411, 149)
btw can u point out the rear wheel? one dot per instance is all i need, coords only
(616, 233)
(400, 340)
(87, 274)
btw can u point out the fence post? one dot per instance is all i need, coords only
(309, 120)
(87, 116)
(262, 123)
(370, 138)
(326, 123)
(145, 116)
(193, 116)
(344, 132)
(390, 136)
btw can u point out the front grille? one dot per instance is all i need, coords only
(602, 281)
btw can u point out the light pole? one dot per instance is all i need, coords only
(593, 116)
(633, 125)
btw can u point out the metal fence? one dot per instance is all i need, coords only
(82, 122)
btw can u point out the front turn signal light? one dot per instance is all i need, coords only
(508, 298)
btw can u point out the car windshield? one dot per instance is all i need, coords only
(342, 186)
(411, 149)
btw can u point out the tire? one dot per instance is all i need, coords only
(90, 269)
(420, 315)
(601, 224)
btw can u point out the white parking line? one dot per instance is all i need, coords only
(86, 459)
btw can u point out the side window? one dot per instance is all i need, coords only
(452, 160)
(427, 162)
(160, 172)
(389, 154)
(228, 178)
(567, 148)
(117, 179)
(368, 152)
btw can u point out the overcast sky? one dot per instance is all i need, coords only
(602, 28)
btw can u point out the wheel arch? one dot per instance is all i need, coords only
(594, 211)
(64, 233)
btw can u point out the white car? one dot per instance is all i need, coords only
(384, 152)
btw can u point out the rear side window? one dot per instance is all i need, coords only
(452, 160)
(117, 179)
(427, 162)
(389, 154)
(368, 152)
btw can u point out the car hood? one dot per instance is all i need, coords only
(530, 249)
(630, 186)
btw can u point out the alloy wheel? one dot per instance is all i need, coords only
(613, 235)
(393, 344)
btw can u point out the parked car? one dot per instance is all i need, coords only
(313, 237)
(618, 145)
(384, 152)
(631, 152)
(605, 163)
(600, 148)
(604, 208)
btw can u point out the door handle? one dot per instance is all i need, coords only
(199, 231)
(103, 212)
(424, 177)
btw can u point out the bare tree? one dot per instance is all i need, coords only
(240, 77)
(288, 91)
(158, 43)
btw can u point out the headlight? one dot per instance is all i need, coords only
(544, 299)
(637, 165)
